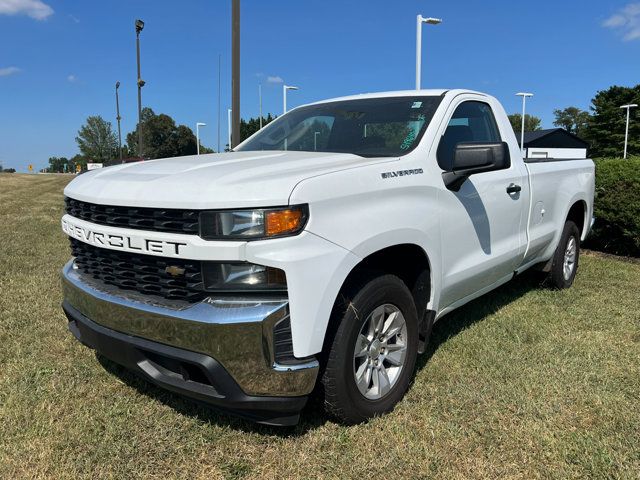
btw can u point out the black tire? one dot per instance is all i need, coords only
(342, 398)
(557, 276)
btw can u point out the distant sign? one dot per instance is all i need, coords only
(94, 166)
(31, 168)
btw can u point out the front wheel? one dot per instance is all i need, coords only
(565, 260)
(373, 354)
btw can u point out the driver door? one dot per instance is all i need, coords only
(482, 226)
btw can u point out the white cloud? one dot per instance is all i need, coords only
(626, 21)
(274, 79)
(33, 8)
(71, 78)
(5, 72)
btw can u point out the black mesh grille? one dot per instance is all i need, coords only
(143, 273)
(152, 219)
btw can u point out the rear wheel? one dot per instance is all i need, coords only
(565, 260)
(373, 353)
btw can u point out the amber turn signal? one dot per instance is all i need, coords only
(282, 222)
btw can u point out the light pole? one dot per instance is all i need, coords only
(198, 125)
(260, 101)
(219, 89)
(118, 119)
(626, 134)
(315, 141)
(139, 27)
(285, 88)
(524, 109)
(420, 21)
(229, 127)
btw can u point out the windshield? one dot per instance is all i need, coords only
(373, 127)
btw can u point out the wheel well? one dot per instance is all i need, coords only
(576, 214)
(408, 262)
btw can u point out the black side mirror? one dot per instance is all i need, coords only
(471, 158)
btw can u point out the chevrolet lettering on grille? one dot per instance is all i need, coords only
(121, 242)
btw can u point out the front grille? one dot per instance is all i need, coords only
(153, 219)
(143, 273)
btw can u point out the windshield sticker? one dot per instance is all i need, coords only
(408, 141)
(416, 105)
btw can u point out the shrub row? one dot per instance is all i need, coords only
(617, 207)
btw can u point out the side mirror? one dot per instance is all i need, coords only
(471, 158)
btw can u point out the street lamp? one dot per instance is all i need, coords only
(260, 101)
(315, 141)
(524, 109)
(118, 119)
(284, 96)
(626, 134)
(139, 27)
(229, 127)
(198, 125)
(420, 21)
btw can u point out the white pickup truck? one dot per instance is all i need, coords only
(319, 253)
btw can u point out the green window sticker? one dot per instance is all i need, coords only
(408, 141)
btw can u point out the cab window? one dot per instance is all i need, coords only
(471, 122)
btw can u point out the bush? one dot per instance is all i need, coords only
(617, 207)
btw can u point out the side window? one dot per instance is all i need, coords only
(471, 122)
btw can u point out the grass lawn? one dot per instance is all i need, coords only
(522, 383)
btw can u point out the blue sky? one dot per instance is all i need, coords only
(59, 60)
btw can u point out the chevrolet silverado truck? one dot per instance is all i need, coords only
(317, 255)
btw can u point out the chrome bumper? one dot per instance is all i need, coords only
(236, 332)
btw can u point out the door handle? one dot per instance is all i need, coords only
(513, 188)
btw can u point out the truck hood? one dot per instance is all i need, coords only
(218, 180)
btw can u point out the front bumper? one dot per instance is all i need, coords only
(230, 340)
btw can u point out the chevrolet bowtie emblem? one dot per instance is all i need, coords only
(174, 271)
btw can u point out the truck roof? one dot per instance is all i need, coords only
(397, 93)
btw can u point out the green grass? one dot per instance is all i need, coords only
(523, 383)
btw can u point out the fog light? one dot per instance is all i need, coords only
(242, 276)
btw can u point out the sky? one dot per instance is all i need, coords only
(59, 60)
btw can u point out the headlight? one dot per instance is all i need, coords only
(254, 223)
(242, 276)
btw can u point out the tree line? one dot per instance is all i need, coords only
(603, 126)
(162, 137)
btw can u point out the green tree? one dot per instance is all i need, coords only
(572, 119)
(97, 141)
(76, 160)
(606, 130)
(531, 123)
(162, 138)
(251, 126)
(58, 165)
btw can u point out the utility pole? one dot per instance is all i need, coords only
(235, 71)
(118, 119)
(139, 27)
(626, 134)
